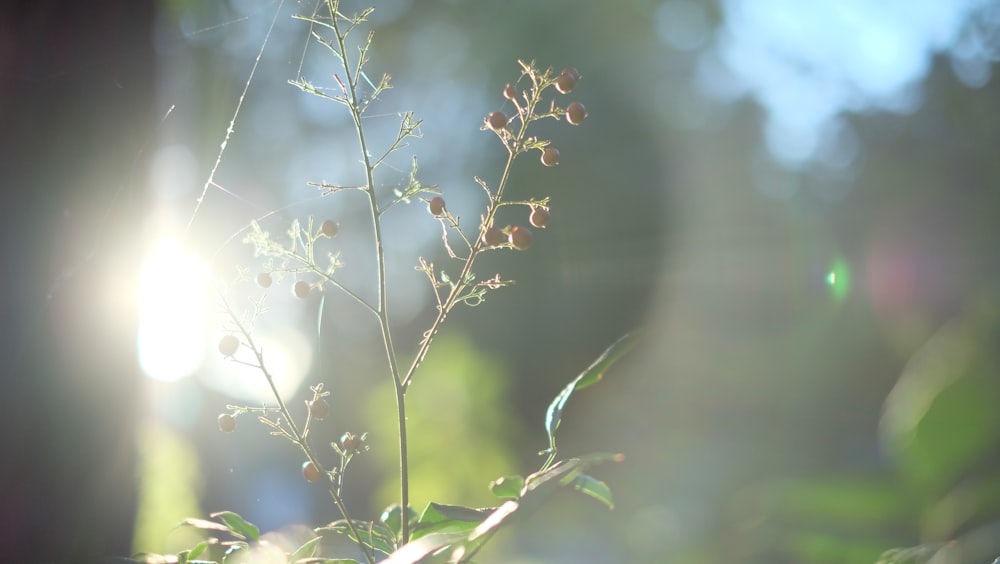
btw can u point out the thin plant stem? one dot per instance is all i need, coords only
(382, 306)
(459, 288)
(297, 436)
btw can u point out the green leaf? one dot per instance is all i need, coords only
(374, 535)
(392, 518)
(595, 488)
(539, 486)
(235, 550)
(940, 417)
(207, 525)
(238, 525)
(440, 518)
(307, 550)
(565, 471)
(199, 548)
(435, 512)
(590, 376)
(507, 487)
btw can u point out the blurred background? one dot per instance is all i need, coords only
(798, 201)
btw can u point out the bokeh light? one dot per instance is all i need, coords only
(838, 280)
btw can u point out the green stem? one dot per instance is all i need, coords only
(382, 306)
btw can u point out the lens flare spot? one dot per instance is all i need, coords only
(172, 302)
(838, 279)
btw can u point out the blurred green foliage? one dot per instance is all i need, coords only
(460, 427)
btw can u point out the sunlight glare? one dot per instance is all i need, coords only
(172, 300)
(287, 355)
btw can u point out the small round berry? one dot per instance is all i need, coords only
(301, 289)
(349, 442)
(227, 423)
(493, 237)
(310, 472)
(228, 345)
(329, 228)
(539, 217)
(520, 238)
(576, 113)
(436, 205)
(318, 408)
(264, 279)
(509, 92)
(496, 121)
(550, 156)
(567, 80)
(565, 84)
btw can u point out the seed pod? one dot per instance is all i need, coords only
(350, 442)
(329, 228)
(567, 80)
(539, 217)
(493, 237)
(227, 423)
(301, 289)
(310, 472)
(264, 279)
(228, 345)
(496, 121)
(318, 408)
(509, 92)
(436, 205)
(550, 156)
(576, 113)
(520, 238)
(571, 71)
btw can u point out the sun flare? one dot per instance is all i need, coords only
(172, 302)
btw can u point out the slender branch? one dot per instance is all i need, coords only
(382, 308)
(297, 437)
(477, 247)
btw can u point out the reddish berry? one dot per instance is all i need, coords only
(228, 345)
(576, 113)
(329, 228)
(571, 71)
(567, 80)
(310, 472)
(264, 279)
(550, 156)
(509, 92)
(539, 217)
(227, 423)
(436, 205)
(301, 289)
(565, 84)
(318, 408)
(496, 121)
(349, 442)
(493, 237)
(520, 238)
